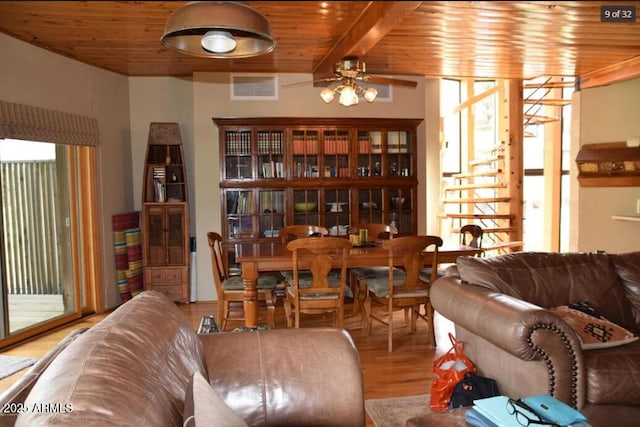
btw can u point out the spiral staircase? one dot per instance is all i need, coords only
(488, 191)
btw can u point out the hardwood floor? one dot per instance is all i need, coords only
(404, 372)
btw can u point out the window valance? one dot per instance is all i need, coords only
(25, 122)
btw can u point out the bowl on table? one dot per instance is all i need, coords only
(305, 206)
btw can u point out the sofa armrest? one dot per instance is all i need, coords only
(308, 376)
(511, 337)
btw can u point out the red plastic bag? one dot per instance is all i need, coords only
(449, 369)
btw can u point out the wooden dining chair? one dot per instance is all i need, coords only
(322, 291)
(377, 233)
(291, 232)
(230, 289)
(473, 233)
(402, 288)
(470, 235)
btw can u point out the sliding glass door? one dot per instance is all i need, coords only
(39, 251)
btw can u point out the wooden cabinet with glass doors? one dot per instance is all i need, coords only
(165, 218)
(333, 172)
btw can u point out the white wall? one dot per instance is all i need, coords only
(36, 77)
(607, 114)
(161, 99)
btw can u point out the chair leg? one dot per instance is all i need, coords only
(362, 296)
(221, 305)
(390, 322)
(367, 315)
(271, 311)
(225, 315)
(287, 311)
(432, 333)
(355, 289)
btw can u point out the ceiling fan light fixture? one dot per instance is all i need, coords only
(218, 42)
(348, 96)
(197, 29)
(327, 95)
(370, 94)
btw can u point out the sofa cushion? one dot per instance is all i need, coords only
(613, 375)
(594, 332)
(132, 368)
(627, 267)
(550, 279)
(205, 408)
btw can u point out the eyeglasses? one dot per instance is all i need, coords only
(523, 412)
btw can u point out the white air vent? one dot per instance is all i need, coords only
(385, 92)
(246, 87)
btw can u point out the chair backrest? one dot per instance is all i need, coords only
(475, 232)
(416, 252)
(319, 262)
(378, 232)
(291, 232)
(217, 261)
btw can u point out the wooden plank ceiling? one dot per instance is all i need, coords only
(482, 39)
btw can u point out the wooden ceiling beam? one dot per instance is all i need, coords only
(377, 19)
(625, 70)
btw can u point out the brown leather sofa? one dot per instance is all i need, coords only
(500, 308)
(134, 369)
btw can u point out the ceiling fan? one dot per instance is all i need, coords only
(349, 72)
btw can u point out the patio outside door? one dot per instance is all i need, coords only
(37, 239)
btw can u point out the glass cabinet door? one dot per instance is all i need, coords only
(270, 154)
(335, 154)
(399, 153)
(306, 207)
(304, 149)
(271, 212)
(240, 210)
(337, 214)
(369, 153)
(370, 206)
(400, 209)
(237, 161)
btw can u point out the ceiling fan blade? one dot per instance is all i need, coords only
(390, 81)
(331, 79)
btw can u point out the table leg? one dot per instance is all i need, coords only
(250, 283)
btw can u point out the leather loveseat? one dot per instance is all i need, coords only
(136, 367)
(501, 308)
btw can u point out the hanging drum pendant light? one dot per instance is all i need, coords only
(218, 29)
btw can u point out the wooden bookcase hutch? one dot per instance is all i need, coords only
(165, 218)
(334, 172)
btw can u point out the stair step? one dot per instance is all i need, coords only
(491, 172)
(495, 230)
(551, 102)
(478, 200)
(475, 185)
(537, 119)
(479, 216)
(501, 245)
(550, 85)
(486, 161)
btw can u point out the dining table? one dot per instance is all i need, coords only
(274, 257)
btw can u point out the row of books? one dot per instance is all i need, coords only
(542, 409)
(240, 202)
(270, 143)
(273, 169)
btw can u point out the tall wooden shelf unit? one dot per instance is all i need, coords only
(165, 218)
(335, 172)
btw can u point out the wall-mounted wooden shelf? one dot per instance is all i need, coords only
(608, 165)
